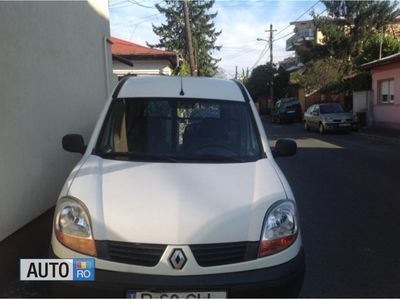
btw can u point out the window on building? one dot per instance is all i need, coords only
(387, 91)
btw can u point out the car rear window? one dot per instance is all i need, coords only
(294, 107)
(178, 130)
(330, 108)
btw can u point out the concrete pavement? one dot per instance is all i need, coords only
(31, 241)
(346, 186)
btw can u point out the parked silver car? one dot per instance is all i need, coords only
(328, 116)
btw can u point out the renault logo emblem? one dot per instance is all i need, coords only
(177, 259)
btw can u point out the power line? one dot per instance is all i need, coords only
(121, 6)
(265, 50)
(249, 42)
(290, 33)
(261, 56)
(322, 12)
(144, 19)
(239, 48)
(282, 37)
(127, 3)
(233, 56)
(140, 4)
(111, 5)
(298, 18)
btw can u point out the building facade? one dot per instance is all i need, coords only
(55, 77)
(303, 31)
(386, 91)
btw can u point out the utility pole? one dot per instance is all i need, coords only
(381, 43)
(188, 32)
(236, 73)
(271, 60)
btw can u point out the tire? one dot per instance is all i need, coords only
(321, 128)
(306, 127)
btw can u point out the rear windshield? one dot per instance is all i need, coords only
(292, 106)
(330, 108)
(177, 130)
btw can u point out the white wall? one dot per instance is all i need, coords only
(361, 100)
(53, 81)
(143, 67)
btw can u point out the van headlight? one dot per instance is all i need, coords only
(280, 228)
(72, 226)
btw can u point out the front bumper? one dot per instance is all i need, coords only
(283, 280)
(291, 117)
(340, 126)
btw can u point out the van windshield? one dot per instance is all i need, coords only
(178, 130)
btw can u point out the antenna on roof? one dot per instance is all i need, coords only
(182, 92)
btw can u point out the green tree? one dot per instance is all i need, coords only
(204, 33)
(351, 37)
(370, 51)
(257, 83)
(320, 74)
(349, 23)
(308, 50)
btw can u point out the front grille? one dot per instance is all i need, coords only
(208, 255)
(130, 253)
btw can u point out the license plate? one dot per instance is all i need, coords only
(344, 125)
(290, 111)
(187, 295)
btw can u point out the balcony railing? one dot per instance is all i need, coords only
(299, 38)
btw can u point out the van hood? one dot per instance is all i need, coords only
(176, 203)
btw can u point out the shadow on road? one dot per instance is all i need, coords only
(347, 192)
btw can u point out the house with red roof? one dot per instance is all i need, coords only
(133, 59)
(385, 108)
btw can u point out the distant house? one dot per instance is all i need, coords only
(303, 31)
(386, 90)
(133, 59)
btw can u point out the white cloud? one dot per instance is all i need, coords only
(242, 22)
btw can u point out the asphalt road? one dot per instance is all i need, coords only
(348, 192)
(347, 187)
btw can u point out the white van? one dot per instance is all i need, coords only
(177, 195)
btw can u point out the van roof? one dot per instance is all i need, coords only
(170, 87)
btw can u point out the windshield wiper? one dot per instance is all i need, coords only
(210, 157)
(137, 156)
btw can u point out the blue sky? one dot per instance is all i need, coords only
(241, 22)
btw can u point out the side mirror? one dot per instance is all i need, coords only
(73, 143)
(285, 147)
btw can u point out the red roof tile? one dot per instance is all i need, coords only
(121, 47)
